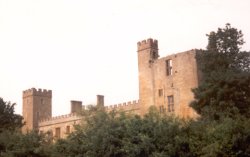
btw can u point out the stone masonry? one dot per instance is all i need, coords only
(165, 83)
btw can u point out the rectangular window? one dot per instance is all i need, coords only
(58, 133)
(160, 92)
(37, 115)
(162, 109)
(67, 129)
(169, 67)
(170, 103)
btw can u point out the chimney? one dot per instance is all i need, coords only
(76, 106)
(100, 100)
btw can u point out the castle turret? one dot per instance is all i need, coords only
(147, 55)
(36, 106)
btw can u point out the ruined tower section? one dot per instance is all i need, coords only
(36, 106)
(167, 82)
(147, 55)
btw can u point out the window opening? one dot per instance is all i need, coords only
(169, 67)
(58, 133)
(170, 103)
(160, 92)
(67, 129)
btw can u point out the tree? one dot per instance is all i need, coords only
(32, 144)
(225, 86)
(12, 141)
(223, 53)
(117, 134)
(8, 119)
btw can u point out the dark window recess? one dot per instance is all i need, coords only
(58, 133)
(160, 92)
(154, 55)
(170, 103)
(37, 115)
(67, 129)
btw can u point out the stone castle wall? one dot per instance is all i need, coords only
(164, 79)
(179, 84)
(60, 126)
(165, 83)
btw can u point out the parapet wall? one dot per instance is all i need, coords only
(37, 92)
(59, 119)
(179, 54)
(145, 44)
(126, 106)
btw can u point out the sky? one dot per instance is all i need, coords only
(81, 48)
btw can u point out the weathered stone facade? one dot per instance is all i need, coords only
(163, 82)
(166, 82)
(36, 106)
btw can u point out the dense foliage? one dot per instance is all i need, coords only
(155, 135)
(111, 134)
(225, 86)
(15, 144)
(8, 119)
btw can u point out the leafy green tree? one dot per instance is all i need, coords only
(12, 142)
(8, 119)
(223, 53)
(155, 135)
(117, 134)
(24, 145)
(225, 86)
(227, 137)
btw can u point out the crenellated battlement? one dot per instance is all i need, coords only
(145, 44)
(37, 92)
(59, 117)
(123, 106)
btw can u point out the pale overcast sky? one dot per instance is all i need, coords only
(81, 48)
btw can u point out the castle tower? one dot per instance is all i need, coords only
(36, 106)
(147, 55)
(167, 82)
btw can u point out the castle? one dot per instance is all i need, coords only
(163, 82)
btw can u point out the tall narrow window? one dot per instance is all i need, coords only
(169, 67)
(67, 129)
(58, 133)
(170, 103)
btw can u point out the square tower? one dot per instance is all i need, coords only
(147, 55)
(37, 105)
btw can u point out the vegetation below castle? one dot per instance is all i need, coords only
(223, 128)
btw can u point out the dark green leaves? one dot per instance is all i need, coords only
(8, 119)
(224, 89)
